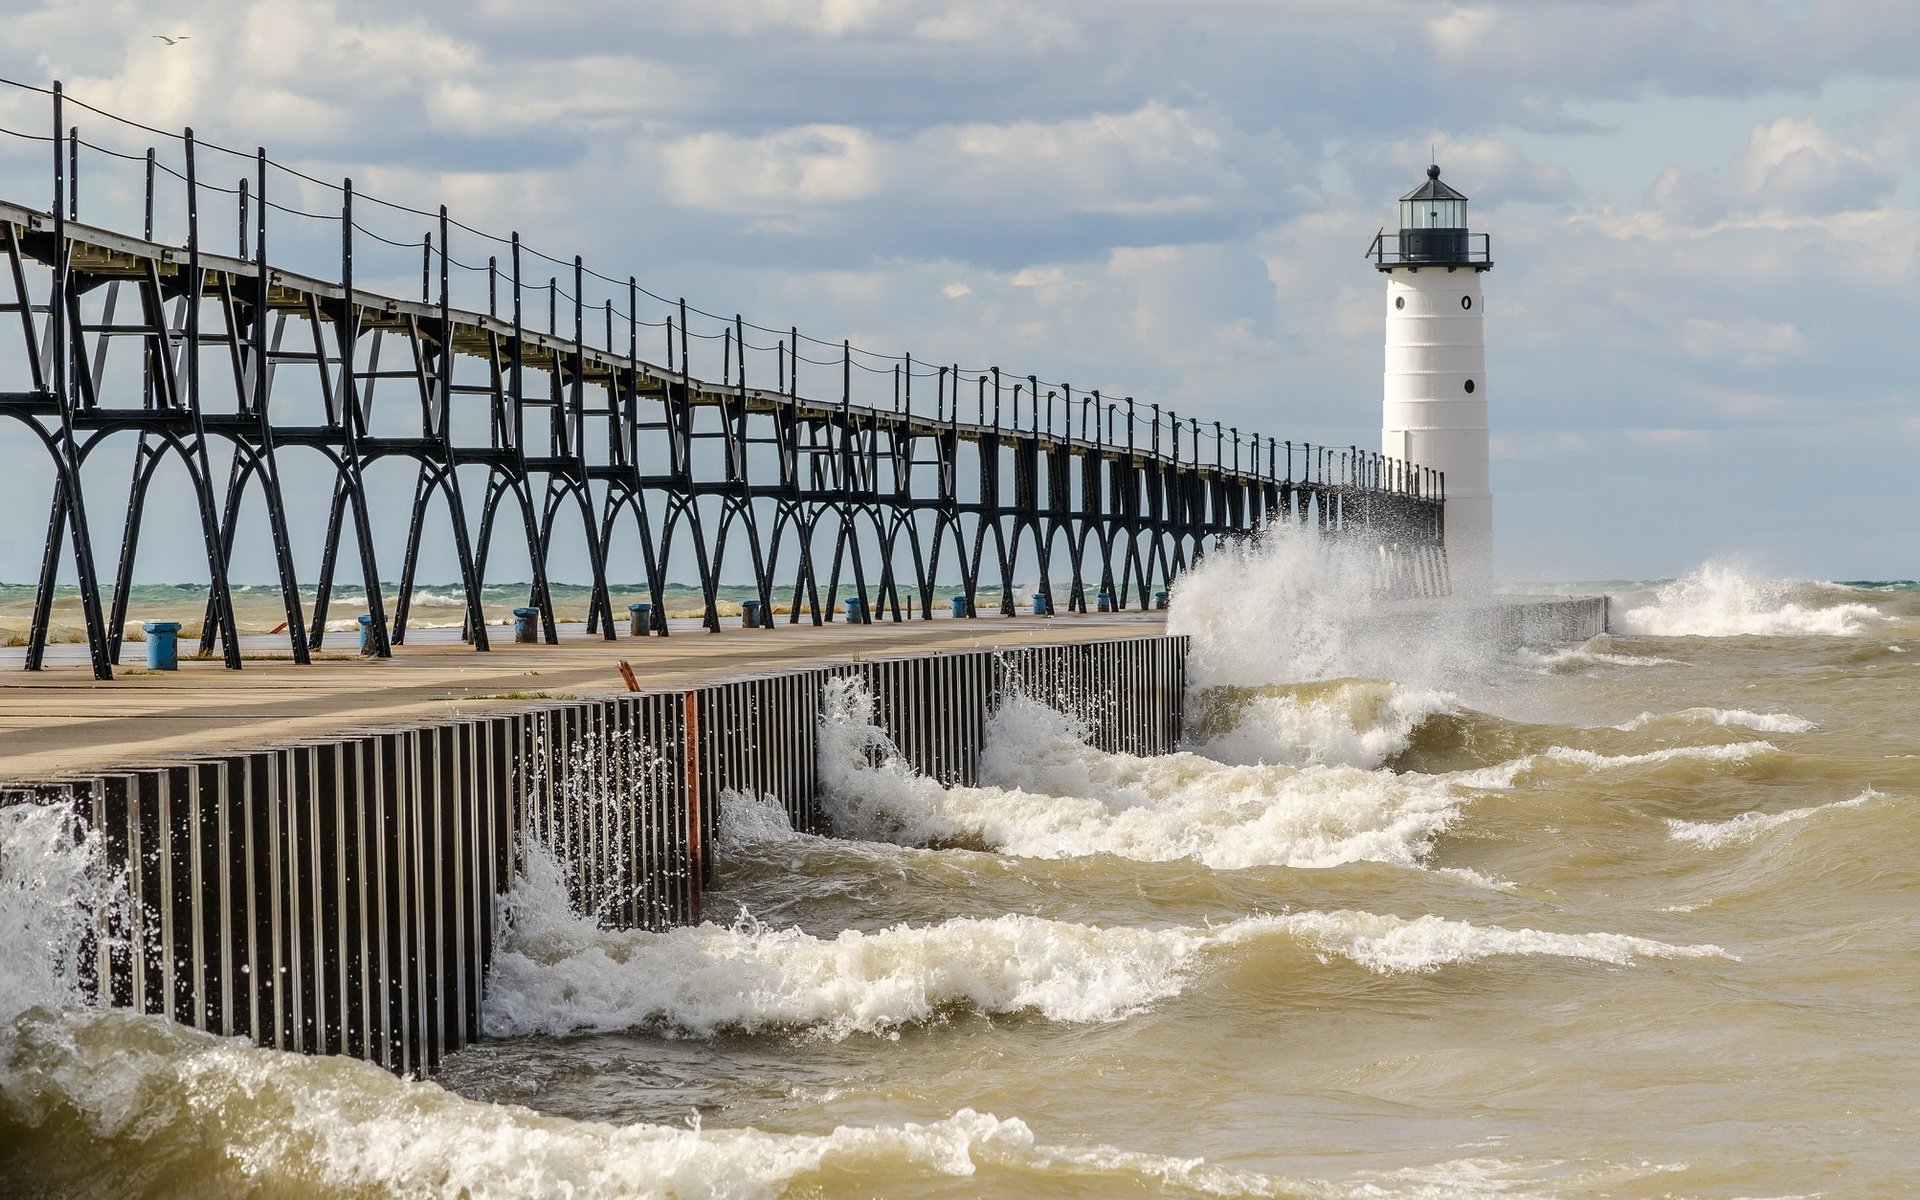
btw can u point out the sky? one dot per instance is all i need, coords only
(1704, 215)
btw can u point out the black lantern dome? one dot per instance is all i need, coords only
(1433, 231)
(1433, 222)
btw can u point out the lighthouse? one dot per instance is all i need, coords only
(1434, 410)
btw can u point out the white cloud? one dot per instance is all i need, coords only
(1490, 169)
(1545, 443)
(1156, 158)
(1673, 441)
(1163, 200)
(1747, 342)
(1790, 165)
(803, 167)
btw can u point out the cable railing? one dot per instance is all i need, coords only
(368, 255)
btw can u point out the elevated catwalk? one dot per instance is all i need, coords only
(537, 404)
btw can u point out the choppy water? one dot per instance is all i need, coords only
(260, 608)
(1633, 918)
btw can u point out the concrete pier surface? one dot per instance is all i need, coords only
(59, 722)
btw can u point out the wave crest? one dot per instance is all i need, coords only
(555, 972)
(1719, 600)
(1046, 794)
(1750, 826)
(1724, 718)
(1344, 722)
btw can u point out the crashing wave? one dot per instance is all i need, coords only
(1718, 600)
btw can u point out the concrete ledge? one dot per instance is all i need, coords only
(60, 723)
(336, 896)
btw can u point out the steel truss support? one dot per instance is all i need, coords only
(809, 499)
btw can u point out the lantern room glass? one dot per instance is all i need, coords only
(1433, 214)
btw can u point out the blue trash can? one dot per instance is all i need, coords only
(163, 645)
(959, 606)
(1042, 607)
(1159, 599)
(639, 620)
(1106, 601)
(856, 608)
(366, 633)
(525, 625)
(750, 613)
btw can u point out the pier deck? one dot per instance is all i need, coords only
(60, 722)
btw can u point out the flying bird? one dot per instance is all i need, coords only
(171, 41)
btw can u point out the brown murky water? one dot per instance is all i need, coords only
(1636, 918)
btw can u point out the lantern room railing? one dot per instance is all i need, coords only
(1431, 248)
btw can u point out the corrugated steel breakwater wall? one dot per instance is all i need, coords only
(338, 896)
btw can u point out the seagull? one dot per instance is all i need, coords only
(171, 41)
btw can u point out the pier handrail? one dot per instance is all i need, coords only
(435, 257)
(1114, 494)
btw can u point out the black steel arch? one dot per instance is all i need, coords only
(823, 492)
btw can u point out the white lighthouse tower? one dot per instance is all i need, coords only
(1435, 404)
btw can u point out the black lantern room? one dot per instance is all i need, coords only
(1433, 232)
(1433, 223)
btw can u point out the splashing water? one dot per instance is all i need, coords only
(750, 820)
(52, 891)
(111, 1102)
(1750, 826)
(1725, 718)
(557, 973)
(1290, 606)
(1047, 794)
(1345, 722)
(1721, 600)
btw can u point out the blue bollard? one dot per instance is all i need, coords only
(1042, 607)
(639, 620)
(524, 630)
(856, 609)
(959, 606)
(163, 645)
(750, 613)
(1106, 601)
(366, 633)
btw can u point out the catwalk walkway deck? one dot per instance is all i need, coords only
(59, 722)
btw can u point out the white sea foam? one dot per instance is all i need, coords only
(748, 820)
(1719, 600)
(1732, 753)
(146, 1093)
(1047, 794)
(247, 1120)
(1391, 945)
(1725, 718)
(555, 972)
(51, 887)
(1568, 659)
(1749, 826)
(1515, 1179)
(1352, 722)
(1291, 606)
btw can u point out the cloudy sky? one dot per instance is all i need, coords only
(1704, 214)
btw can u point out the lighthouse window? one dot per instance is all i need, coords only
(1466, 302)
(1469, 387)
(1399, 301)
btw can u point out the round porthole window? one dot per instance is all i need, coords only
(1466, 302)
(1399, 301)
(1469, 387)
